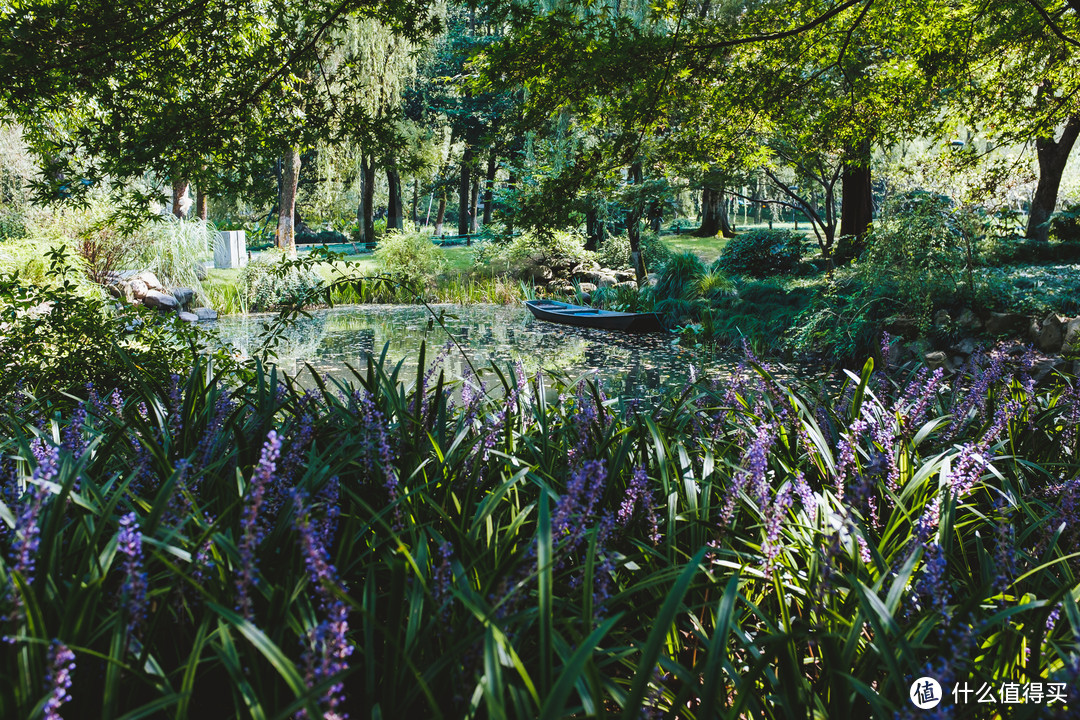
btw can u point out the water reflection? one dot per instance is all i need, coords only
(332, 339)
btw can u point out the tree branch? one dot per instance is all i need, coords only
(768, 37)
(1053, 25)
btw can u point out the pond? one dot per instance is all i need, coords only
(333, 339)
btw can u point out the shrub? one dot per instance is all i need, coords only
(58, 337)
(266, 283)
(1065, 225)
(409, 257)
(615, 251)
(762, 252)
(1021, 250)
(680, 276)
(322, 237)
(922, 251)
(12, 225)
(559, 249)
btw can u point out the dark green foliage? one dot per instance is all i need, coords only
(762, 252)
(762, 520)
(1016, 250)
(763, 313)
(1065, 225)
(680, 276)
(322, 237)
(55, 338)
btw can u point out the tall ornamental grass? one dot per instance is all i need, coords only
(510, 548)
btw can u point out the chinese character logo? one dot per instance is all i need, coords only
(925, 693)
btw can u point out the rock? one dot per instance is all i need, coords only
(201, 271)
(967, 320)
(622, 276)
(1072, 334)
(942, 318)
(1015, 349)
(537, 273)
(652, 279)
(917, 348)
(966, 346)
(1051, 334)
(187, 316)
(160, 300)
(138, 288)
(627, 283)
(587, 287)
(934, 360)
(585, 298)
(206, 314)
(900, 325)
(122, 290)
(1034, 329)
(603, 280)
(1044, 367)
(998, 324)
(151, 280)
(183, 295)
(957, 361)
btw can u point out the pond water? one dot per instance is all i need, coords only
(333, 339)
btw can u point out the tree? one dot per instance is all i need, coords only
(1024, 85)
(113, 90)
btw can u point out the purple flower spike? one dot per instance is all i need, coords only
(133, 591)
(639, 495)
(249, 523)
(774, 520)
(327, 646)
(58, 680)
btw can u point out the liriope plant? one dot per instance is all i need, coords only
(518, 547)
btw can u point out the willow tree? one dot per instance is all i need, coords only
(111, 91)
(382, 63)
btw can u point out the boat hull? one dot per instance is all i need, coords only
(579, 316)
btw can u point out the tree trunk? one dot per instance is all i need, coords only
(511, 186)
(394, 211)
(759, 195)
(725, 223)
(464, 186)
(633, 228)
(1053, 155)
(656, 215)
(593, 229)
(489, 187)
(474, 198)
(440, 215)
(365, 213)
(415, 202)
(290, 180)
(857, 198)
(714, 217)
(179, 196)
(200, 203)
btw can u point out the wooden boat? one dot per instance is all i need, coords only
(567, 314)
